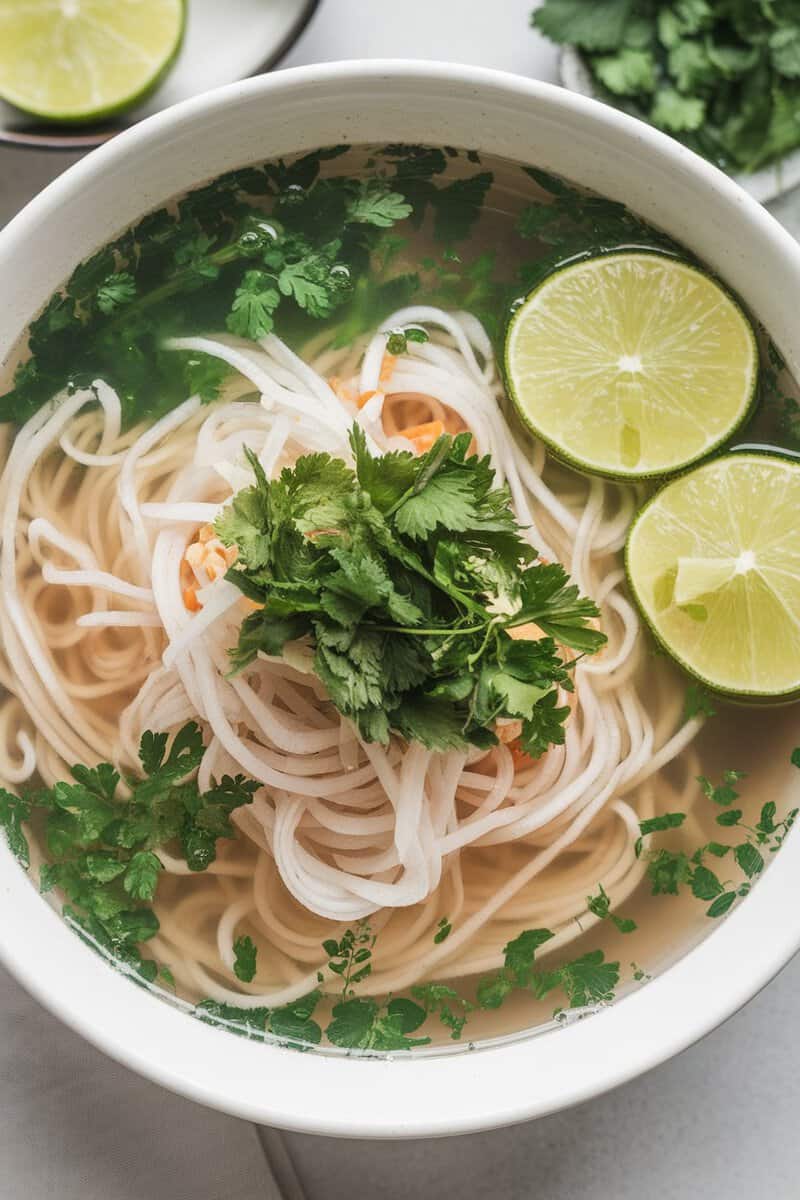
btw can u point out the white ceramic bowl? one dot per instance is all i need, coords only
(534, 123)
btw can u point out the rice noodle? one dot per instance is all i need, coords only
(340, 829)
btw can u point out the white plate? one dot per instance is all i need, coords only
(764, 185)
(225, 40)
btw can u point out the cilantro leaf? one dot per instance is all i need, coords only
(721, 904)
(443, 931)
(731, 816)
(589, 979)
(205, 375)
(677, 113)
(554, 604)
(600, 906)
(391, 572)
(720, 76)
(441, 1000)
(596, 26)
(352, 1023)
(254, 303)
(666, 870)
(293, 1021)
(660, 823)
(375, 204)
(705, 884)
(14, 811)
(749, 859)
(627, 72)
(545, 726)
(141, 875)
(519, 954)
(698, 703)
(102, 847)
(115, 291)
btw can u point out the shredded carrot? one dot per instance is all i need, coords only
(387, 367)
(345, 394)
(190, 600)
(521, 760)
(365, 397)
(422, 437)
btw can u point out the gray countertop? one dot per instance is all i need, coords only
(719, 1120)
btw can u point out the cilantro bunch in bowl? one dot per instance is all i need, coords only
(723, 76)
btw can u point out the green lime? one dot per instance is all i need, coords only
(631, 364)
(714, 563)
(82, 60)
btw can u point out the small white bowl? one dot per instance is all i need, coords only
(535, 123)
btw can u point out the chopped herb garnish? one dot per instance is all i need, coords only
(670, 870)
(393, 572)
(600, 905)
(102, 847)
(244, 966)
(699, 702)
(443, 931)
(277, 246)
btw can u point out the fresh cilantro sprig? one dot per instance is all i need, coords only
(102, 845)
(280, 245)
(396, 573)
(568, 223)
(722, 76)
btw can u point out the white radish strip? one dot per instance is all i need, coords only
(100, 580)
(181, 512)
(126, 486)
(218, 600)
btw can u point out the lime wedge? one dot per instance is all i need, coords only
(714, 563)
(82, 60)
(631, 364)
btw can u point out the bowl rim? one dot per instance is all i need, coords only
(401, 1096)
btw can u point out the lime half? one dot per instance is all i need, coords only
(82, 60)
(631, 364)
(714, 563)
